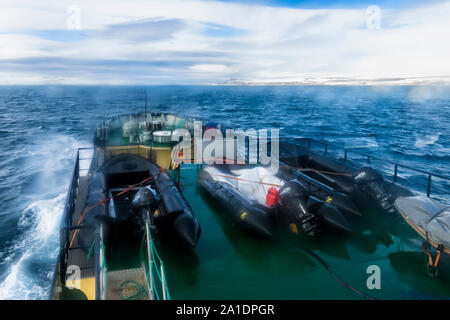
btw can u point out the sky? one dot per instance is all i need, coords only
(209, 42)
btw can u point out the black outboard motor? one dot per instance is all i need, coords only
(293, 207)
(145, 202)
(328, 214)
(146, 198)
(370, 182)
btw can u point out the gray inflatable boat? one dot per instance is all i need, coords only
(429, 218)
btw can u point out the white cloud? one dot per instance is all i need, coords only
(167, 41)
(209, 67)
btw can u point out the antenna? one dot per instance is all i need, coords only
(145, 93)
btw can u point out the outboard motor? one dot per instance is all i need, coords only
(145, 198)
(146, 201)
(293, 205)
(369, 181)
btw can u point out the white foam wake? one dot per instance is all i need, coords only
(39, 247)
(422, 141)
(31, 259)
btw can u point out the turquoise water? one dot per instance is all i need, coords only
(41, 128)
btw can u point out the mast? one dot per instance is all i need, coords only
(145, 94)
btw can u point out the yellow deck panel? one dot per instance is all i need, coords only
(160, 155)
(87, 285)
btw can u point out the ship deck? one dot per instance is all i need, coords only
(78, 256)
(230, 264)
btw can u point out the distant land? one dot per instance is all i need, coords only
(339, 81)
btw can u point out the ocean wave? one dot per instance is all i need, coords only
(29, 259)
(39, 225)
(358, 142)
(423, 141)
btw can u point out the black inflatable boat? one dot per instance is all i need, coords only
(119, 209)
(315, 192)
(261, 202)
(137, 190)
(352, 187)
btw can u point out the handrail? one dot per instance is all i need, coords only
(160, 273)
(325, 143)
(346, 152)
(103, 268)
(153, 261)
(368, 157)
(150, 279)
(69, 208)
(377, 158)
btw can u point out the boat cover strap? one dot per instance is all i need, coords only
(437, 214)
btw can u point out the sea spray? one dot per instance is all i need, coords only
(39, 224)
(423, 141)
(31, 258)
